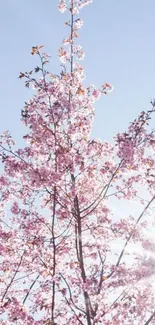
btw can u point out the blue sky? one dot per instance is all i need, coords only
(118, 39)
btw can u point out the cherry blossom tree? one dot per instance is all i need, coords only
(65, 258)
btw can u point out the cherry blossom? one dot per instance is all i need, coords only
(65, 256)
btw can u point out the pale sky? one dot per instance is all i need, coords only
(118, 39)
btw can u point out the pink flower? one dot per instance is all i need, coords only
(78, 23)
(96, 93)
(62, 6)
(15, 208)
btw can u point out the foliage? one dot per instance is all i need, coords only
(65, 258)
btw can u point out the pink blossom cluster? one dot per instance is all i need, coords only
(75, 4)
(126, 150)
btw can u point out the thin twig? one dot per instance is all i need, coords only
(130, 236)
(150, 319)
(70, 294)
(32, 285)
(10, 283)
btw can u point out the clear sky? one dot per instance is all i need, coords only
(119, 41)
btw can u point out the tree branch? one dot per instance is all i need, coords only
(150, 319)
(33, 283)
(10, 283)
